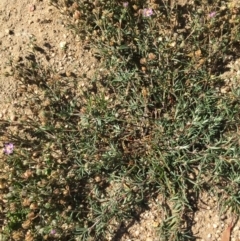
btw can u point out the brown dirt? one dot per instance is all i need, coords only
(23, 28)
(25, 24)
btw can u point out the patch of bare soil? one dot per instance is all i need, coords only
(207, 222)
(26, 25)
(36, 30)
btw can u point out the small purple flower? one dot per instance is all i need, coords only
(212, 14)
(125, 4)
(147, 12)
(8, 148)
(53, 231)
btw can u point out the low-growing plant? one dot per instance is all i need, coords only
(154, 121)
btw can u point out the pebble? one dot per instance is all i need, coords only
(137, 232)
(209, 236)
(63, 44)
(217, 236)
(17, 58)
(155, 224)
(223, 217)
(12, 116)
(235, 228)
(32, 7)
(98, 179)
(215, 225)
(8, 31)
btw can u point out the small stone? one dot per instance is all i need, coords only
(8, 31)
(225, 89)
(12, 116)
(195, 219)
(63, 44)
(155, 224)
(223, 217)
(17, 58)
(32, 7)
(137, 233)
(98, 179)
(173, 44)
(215, 225)
(77, 38)
(236, 228)
(33, 206)
(209, 236)
(68, 73)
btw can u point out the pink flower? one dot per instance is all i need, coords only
(8, 148)
(147, 12)
(53, 231)
(125, 4)
(212, 14)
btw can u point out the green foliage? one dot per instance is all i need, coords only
(154, 122)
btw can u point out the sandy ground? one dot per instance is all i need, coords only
(25, 23)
